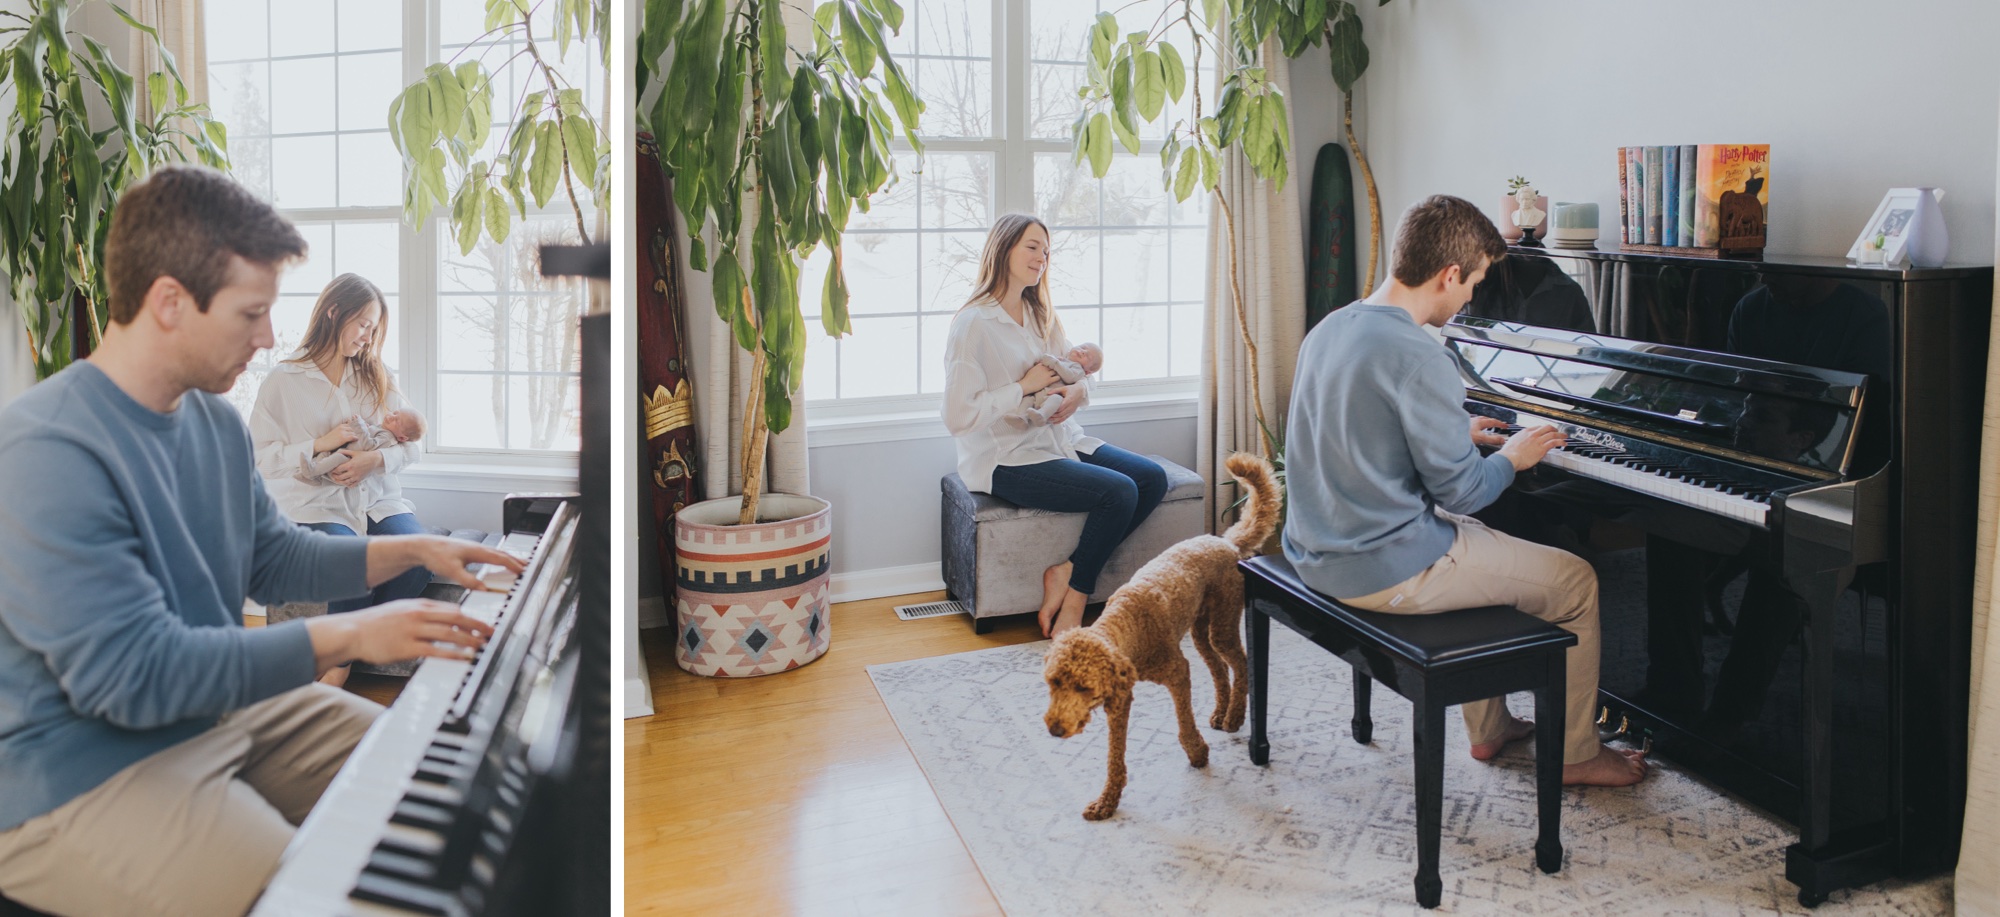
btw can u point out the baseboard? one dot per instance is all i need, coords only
(885, 581)
(638, 700)
(846, 587)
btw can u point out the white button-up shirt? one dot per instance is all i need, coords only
(297, 405)
(984, 358)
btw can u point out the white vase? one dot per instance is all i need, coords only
(1928, 240)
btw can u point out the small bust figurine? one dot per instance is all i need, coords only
(1528, 216)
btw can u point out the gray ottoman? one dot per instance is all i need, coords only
(995, 552)
(438, 589)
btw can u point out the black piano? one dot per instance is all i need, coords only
(1773, 468)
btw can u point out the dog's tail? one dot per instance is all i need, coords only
(1260, 516)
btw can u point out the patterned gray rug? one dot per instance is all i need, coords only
(1330, 826)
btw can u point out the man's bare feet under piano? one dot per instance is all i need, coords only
(1517, 729)
(1611, 767)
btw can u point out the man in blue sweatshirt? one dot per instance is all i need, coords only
(1382, 461)
(155, 755)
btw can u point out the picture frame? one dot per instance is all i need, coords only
(1892, 221)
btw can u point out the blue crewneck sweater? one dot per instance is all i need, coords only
(1376, 438)
(128, 541)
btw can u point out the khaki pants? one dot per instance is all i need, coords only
(1485, 567)
(193, 830)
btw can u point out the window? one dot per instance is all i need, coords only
(481, 345)
(999, 80)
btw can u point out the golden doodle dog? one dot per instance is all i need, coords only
(1193, 585)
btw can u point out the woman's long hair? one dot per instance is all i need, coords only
(993, 273)
(345, 298)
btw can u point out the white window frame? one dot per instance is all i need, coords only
(849, 421)
(418, 262)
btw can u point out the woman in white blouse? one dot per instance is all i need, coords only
(308, 407)
(993, 360)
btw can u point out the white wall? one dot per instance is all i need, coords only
(1854, 96)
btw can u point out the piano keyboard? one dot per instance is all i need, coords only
(401, 783)
(1656, 474)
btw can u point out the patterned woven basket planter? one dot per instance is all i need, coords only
(752, 599)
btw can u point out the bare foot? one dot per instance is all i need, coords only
(1055, 586)
(1517, 729)
(1611, 767)
(1071, 615)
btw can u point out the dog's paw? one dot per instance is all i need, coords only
(1100, 810)
(1231, 724)
(1198, 757)
(1216, 721)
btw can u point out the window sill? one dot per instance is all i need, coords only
(487, 477)
(908, 425)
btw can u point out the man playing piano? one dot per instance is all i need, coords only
(155, 755)
(1382, 463)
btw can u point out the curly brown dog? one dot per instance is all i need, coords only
(1193, 585)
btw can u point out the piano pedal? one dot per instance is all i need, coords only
(1603, 717)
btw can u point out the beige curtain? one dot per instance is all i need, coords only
(721, 374)
(179, 23)
(1978, 885)
(1270, 251)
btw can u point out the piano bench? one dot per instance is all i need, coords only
(994, 552)
(1434, 660)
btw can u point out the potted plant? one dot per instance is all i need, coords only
(771, 144)
(59, 177)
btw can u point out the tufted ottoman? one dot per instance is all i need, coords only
(995, 552)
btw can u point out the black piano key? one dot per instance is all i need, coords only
(422, 815)
(397, 892)
(419, 869)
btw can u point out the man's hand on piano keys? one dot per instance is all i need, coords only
(453, 560)
(393, 632)
(1484, 430)
(1527, 447)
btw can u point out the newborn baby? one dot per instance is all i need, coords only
(1071, 367)
(403, 426)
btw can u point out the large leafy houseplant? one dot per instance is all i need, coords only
(1130, 80)
(59, 177)
(772, 140)
(441, 125)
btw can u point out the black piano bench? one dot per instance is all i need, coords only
(1434, 660)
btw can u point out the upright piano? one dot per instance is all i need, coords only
(1773, 468)
(485, 789)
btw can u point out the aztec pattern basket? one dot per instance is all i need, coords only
(752, 599)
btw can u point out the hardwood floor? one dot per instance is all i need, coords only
(794, 793)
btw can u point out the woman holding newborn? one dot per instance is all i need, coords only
(1012, 383)
(331, 430)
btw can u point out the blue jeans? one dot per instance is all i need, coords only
(1117, 488)
(408, 585)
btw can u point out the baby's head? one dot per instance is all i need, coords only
(406, 425)
(1086, 355)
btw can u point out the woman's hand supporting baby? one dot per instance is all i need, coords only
(1038, 377)
(337, 437)
(1072, 401)
(359, 465)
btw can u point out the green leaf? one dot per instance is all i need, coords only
(1212, 15)
(498, 217)
(1190, 172)
(1349, 55)
(726, 280)
(419, 125)
(465, 216)
(1126, 131)
(1173, 70)
(1149, 84)
(833, 299)
(545, 170)
(892, 15)
(581, 139)
(1211, 169)
(771, 48)
(1100, 39)
(857, 46)
(1099, 139)
(156, 91)
(569, 102)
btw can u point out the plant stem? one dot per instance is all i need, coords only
(562, 141)
(1374, 201)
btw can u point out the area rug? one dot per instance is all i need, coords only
(1330, 826)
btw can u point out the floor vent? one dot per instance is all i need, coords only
(930, 610)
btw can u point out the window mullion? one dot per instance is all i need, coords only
(417, 248)
(1017, 188)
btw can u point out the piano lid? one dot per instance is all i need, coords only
(1796, 418)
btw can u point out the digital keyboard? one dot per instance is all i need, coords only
(423, 818)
